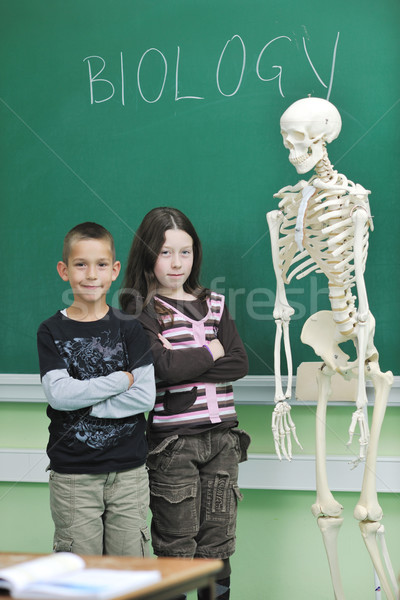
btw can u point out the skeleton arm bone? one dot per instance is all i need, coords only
(360, 218)
(282, 424)
(282, 310)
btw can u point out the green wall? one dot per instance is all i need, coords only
(279, 549)
(24, 425)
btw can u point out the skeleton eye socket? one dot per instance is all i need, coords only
(298, 136)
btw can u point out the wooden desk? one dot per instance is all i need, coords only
(178, 575)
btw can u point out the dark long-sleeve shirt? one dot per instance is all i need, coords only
(196, 364)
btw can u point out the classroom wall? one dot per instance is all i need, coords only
(279, 553)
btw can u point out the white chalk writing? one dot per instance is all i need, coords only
(103, 89)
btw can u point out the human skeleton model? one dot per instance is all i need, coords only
(323, 225)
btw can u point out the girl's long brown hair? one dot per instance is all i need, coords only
(140, 284)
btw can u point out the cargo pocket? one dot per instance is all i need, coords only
(174, 507)
(237, 497)
(219, 497)
(244, 440)
(145, 541)
(160, 457)
(62, 545)
(62, 503)
(222, 499)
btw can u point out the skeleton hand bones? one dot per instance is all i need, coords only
(359, 418)
(282, 429)
(283, 426)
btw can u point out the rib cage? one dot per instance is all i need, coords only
(328, 239)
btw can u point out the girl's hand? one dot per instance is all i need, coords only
(216, 349)
(165, 342)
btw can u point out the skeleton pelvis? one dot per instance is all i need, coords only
(319, 332)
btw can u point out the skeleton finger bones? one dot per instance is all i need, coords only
(360, 419)
(283, 428)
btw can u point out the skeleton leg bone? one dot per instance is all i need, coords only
(319, 332)
(326, 508)
(385, 553)
(325, 503)
(368, 510)
(368, 507)
(369, 532)
(329, 527)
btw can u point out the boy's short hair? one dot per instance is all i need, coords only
(86, 231)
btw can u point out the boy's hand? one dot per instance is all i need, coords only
(130, 378)
(216, 349)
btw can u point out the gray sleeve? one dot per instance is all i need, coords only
(138, 399)
(63, 392)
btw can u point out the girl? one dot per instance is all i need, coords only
(194, 445)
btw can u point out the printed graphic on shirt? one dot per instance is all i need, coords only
(94, 356)
(97, 434)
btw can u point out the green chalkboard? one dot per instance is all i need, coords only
(109, 108)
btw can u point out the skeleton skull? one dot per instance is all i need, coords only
(306, 126)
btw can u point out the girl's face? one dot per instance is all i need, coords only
(174, 263)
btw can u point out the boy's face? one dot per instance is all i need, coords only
(90, 270)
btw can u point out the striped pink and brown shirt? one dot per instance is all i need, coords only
(194, 403)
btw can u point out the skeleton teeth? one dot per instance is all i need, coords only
(297, 160)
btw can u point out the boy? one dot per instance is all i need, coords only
(97, 373)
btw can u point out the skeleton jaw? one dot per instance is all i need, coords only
(304, 162)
